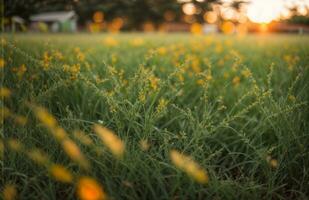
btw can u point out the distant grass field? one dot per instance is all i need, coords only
(154, 116)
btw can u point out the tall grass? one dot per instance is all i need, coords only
(137, 116)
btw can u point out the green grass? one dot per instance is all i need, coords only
(232, 103)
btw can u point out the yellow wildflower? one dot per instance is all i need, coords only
(60, 173)
(112, 141)
(15, 145)
(82, 137)
(154, 82)
(246, 73)
(5, 92)
(21, 120)
(47, 119)
(38, 156)
(89, 189)
(58, 55)
(186, 164)
(162, 51)
(162, 105)
(292, 98)
(9, 192)
(272, 162)
(73, 151)
(236, 81)
(2, 63)
(46, 60)
(144, 144)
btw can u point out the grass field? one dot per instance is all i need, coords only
(154, 116)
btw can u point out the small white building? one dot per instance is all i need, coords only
(210, 28)
(62, 21)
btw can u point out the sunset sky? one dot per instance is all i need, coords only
(264, 11)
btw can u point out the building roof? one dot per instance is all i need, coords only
(53, 16)
(18, 19)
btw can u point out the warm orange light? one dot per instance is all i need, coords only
(210, 17)
(263, 27)
(148, 27)
(98, 17)
(228, 27)
(189, 8)
(196, 28)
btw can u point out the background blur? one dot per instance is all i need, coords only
(196, 16)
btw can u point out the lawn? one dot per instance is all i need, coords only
(154, 116)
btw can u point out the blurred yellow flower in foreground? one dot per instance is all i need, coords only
(2, 63)
(186, 164)
(9, 192)
(5, 92)
(89, 189)
(112, 141)
(15, 145)
(38, 156)
(60, 173)
(272, 162)
(46, 118)
(73, 151)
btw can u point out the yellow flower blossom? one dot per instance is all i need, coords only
(19, 70)
(38, 156)
(246, 73)
(82, 137)
(292, 98)
(5, 92)
(162, 51)
(144, 144)
(236, 81)
(186, 164)
(73, 151)
(21, 120)
(2, 63)
(162, 105)
(60, 173)
(15, 145)
(154, 82)
(272, 162)
(46, 60)
(112, 141)
(47, 119)
(89, 189)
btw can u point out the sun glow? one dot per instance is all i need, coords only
(264, 11)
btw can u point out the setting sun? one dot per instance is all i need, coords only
(264, 11)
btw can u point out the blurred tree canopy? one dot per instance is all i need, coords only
(297, 18)
(135, 12)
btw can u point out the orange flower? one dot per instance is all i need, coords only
(89, 189)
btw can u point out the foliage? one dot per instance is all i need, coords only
(137, 116)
